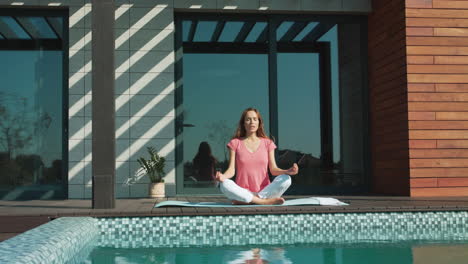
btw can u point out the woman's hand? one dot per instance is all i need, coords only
(220, 177)
(293, 170)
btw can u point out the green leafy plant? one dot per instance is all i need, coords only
(154, 166)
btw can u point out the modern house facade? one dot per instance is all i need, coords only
(368, 97)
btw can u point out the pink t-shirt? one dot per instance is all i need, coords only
(252, 168)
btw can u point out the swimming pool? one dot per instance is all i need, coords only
(302, 253)
(287, 238)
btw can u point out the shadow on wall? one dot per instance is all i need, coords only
(144, 88)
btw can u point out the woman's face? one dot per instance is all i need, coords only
(251, 122)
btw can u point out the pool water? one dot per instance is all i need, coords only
(382, 253)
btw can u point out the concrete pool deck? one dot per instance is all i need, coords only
(19, 216)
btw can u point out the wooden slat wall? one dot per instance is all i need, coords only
(388, 98)
(437, 73)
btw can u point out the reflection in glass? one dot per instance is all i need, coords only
(41, 27)
(256, 31)
(230, 31)
(283, 28)
(347, 66)
(31, 125)
(325, 165)
(15, 28)
(204, 164)
(305, 31)
(332, 37)
(186, 24)
(299, 117)
(204, 31)
(217, 88)
(56, 23)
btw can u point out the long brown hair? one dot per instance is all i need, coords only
(241, 132)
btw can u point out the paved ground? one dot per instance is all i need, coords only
(19, 216)
(140, 207)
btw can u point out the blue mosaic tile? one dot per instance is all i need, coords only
(188, 231)
(71, 240)
(59, 241)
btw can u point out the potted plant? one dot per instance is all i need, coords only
(154, 168)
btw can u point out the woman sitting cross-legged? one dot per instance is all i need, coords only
(252, 153)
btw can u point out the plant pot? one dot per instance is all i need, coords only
(157, 190)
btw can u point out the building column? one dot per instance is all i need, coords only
(103, 119)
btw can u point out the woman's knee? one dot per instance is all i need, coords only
(225, 184)
(284, 179)
(233, 192)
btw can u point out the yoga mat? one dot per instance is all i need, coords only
(292, 202)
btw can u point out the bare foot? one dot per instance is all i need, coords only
(267, 201)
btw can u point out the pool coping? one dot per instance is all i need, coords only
(19, 216)
(61, 241)
(145, 207)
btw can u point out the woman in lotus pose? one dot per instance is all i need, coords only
(251, 154)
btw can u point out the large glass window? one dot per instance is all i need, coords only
(216, 87)
(299, 126)
(307, 78)
(32, 105)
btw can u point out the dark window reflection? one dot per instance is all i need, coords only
(14, 30)
(337, 166)
(331, 37)
(299, 117)
(31, 125)
(283, 28)
(204, 164)
(38, 26)
(231, 30)
(205, 30)
(217, 88)
(186, 24)
(256, 31)
(310, 26)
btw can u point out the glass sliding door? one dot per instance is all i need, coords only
(308, 78)
(321, 115)
(299, 126)
(32, 115)
(217, 88)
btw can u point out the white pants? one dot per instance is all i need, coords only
(273, 190)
